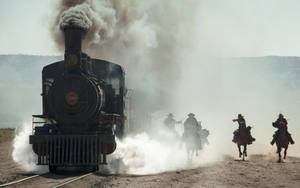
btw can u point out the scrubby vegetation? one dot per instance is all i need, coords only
(6, 134)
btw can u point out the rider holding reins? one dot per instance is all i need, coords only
(170, 122)
(281, 122)
(242, 125)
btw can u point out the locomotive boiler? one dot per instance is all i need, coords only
(83, 108)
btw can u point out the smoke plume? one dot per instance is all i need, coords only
(148, 38)
(78, 16)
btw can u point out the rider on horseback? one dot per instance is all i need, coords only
(242, 125)
(190, 124)
(191, 128)
(281, 122)
(170, 122)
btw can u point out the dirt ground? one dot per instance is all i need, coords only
(257, 171)
(9, 171)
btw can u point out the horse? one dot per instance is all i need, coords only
(242, 141)
(192, 144)
(281, 142)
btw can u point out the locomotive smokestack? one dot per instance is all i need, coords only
(75, 23)
(73, 39)
(73, 43)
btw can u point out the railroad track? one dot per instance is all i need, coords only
(57, 185)
(18, 181)
(72, 180)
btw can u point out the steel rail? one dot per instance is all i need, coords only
(19, 181)
(72, 180)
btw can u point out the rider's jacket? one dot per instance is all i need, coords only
(241, 122)
(190, 124)
(280, 123)
(170, 122)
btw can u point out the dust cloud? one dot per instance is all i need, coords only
(173, 52)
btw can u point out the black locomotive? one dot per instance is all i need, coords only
(83, 108)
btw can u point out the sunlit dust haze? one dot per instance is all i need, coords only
(186, 56)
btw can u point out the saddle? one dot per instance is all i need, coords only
(246, 130)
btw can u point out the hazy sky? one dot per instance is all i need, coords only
(227, 27)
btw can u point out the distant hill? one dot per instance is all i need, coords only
(20, 86)
(280, 70)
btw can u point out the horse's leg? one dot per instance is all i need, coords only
(285, 149)
(240, 152)
(245, 150)
(279, 153)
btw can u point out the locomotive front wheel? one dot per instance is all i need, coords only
(52, 168)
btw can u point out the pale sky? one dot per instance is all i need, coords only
(25, 27)
(231, 27)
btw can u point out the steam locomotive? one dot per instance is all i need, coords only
(83, 108)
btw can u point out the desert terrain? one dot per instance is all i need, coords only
(256, 171)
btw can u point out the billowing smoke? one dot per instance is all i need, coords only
(149, 38)
(154, 41)
(163, 46)
(77, 16)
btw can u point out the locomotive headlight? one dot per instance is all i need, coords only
(71, 98)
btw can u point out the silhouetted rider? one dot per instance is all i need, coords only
(242, 125)
(170, 122)
(281, 122)
(190, 124)
(191, 128)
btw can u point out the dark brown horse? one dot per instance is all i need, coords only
(282, 142)
(242, 141)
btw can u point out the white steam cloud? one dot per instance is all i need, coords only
(159, 150)
(142, 154)
(145, 154)
(22, 150)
